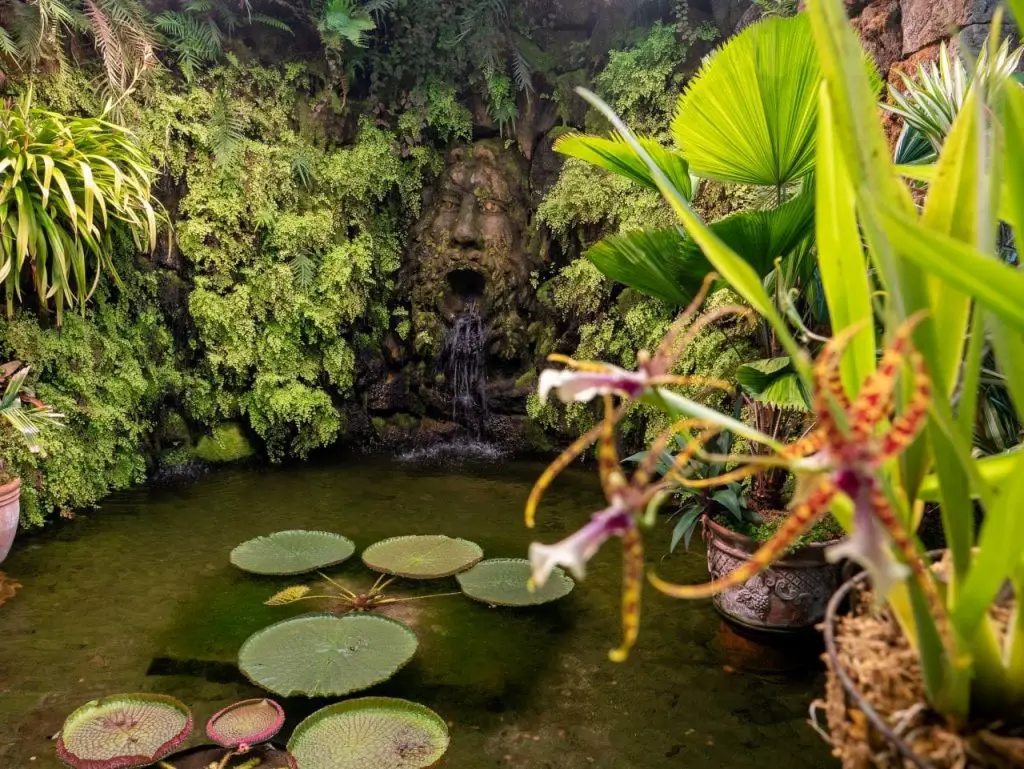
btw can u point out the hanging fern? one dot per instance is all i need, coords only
(522, 71)
(194, 42)
(225, 130)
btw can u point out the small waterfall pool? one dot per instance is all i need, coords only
(140, 596)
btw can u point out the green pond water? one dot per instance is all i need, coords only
(139, 596)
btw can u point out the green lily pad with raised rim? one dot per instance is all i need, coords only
(429, 556)
(503, 582)
(292, 552)
(370, 733)
(123, 731)
(321, 655)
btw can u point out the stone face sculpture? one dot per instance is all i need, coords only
(468, 249)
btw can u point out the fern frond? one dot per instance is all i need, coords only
(522, 71)
(270, 21)
(7, 45)
(225, 130)
(304, 270)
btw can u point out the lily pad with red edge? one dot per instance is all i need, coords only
(370, 733)
(270, 756)
(249, 722)
(123, 731)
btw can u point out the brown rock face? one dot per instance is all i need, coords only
(929, 21)
(878, 26)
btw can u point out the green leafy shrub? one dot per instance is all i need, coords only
(107, 373)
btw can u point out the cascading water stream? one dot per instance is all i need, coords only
(463, 360)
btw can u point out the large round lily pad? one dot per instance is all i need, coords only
(123, 731)
(321, 655)
(292, 552)
(249, 722)
(504, 582)
(422, 556)
(370, 733)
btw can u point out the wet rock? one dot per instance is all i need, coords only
(544, 169)
(389, 393)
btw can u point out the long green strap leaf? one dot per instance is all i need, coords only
(997, 286)
(844, 273)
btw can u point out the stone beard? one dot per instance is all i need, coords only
(468, 247)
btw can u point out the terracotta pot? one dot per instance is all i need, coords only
(789, 596)
(10, 514)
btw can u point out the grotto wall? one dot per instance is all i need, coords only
(478, 248)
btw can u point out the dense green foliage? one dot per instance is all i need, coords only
(291, 182)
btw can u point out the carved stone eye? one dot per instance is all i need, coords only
(490, 206)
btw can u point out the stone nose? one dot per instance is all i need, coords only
(466, 232)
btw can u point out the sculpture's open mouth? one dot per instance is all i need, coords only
(466, 283)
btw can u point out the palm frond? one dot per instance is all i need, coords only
(749, 115)
(774, 381)
(668, 265)
(614, 154)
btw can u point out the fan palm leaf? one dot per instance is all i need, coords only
(668, 265)
(749, 115)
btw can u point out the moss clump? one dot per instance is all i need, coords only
(227, 443)
(825, 530)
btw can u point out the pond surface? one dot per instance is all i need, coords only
(139, 596)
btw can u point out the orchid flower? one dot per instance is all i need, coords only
(845, 456)
(627, 501)
(585, 380)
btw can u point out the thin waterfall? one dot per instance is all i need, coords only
(463, 360)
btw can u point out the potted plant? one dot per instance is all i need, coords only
(928, 670)
(791, 595)
(28, 416)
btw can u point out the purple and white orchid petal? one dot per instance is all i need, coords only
(584, 386)
(577, 549)
(868, 545)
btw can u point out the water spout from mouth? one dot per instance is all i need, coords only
(463, 360)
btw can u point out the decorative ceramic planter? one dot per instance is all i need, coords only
(789, 596)
(10, 514)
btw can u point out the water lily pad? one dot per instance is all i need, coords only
(249, 722)
(292, 552)
(321, 655)
(370, 733)
(503, 582)
(422, 556)
(123, 731)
